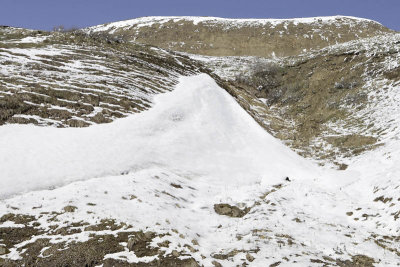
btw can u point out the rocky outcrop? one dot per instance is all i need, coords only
(230, 211)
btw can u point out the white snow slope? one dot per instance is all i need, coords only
(199, 138)
(197, 128)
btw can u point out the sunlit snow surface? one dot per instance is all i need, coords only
(198, 128)
(197, 137)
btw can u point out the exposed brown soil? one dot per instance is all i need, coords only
(218, 39)
(116, 71)
(304, 97)
(41, 252)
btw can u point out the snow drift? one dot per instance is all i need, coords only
(197, 128)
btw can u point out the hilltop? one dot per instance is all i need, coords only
(242, 37)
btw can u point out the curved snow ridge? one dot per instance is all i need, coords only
(149, 21)
(197, 128)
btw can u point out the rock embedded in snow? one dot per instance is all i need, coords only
(70, 208)
(231, 211)
(249, 257)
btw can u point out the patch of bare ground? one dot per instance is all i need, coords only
(37, 247)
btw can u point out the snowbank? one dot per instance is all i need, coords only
(198, 128)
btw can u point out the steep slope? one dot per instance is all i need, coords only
(180, 135)
(328, 104)
(75, 79)
(315, 86)
(316, 102)
(242, 37)
(200, 184)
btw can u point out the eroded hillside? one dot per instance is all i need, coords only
(242, 37)
(311, 82)
(327, 105)
(75, 79)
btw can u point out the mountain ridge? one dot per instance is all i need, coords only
(197, 19)
(241, 37)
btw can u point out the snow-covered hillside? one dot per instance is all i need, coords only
(192, 181)
(117, 151)
(197, 128)
(331, 105)
(76, 80)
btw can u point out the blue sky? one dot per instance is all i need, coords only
(45, 14)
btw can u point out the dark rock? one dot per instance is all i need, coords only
(249, 257)
(176, 185)
(231, 211)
